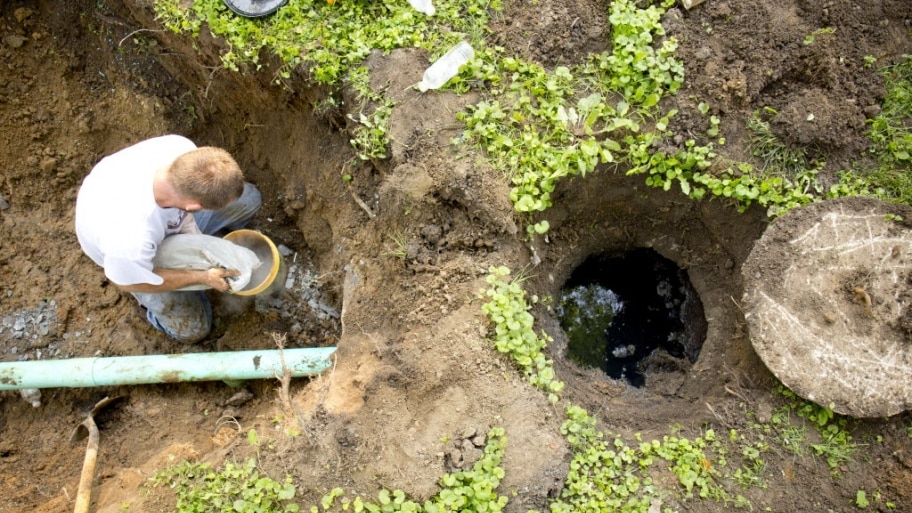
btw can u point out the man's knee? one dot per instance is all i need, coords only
(183, 316)
(189, 329)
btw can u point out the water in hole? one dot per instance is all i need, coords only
(617, 310)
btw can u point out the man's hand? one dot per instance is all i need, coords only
(217, 278)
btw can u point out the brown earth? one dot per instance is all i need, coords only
(413, 365)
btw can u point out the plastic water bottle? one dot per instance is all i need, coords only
(446, 67)
(423, 6)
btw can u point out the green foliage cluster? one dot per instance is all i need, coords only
(328, 38)
(891, 133)
(836, 444)
(877, 499)
(603, 476)
(542, 126)
(331, 40)
(237, 488)
(513, 331)
(466, 491)
(241, 489)
(636, 69)
(609, 475)
(809, 39)
(691, 167)
(776, 158)
(370, 136)
(538, 125)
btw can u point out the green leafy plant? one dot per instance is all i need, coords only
(809, 39)
(513, 330)
(890, 131)
(235, 487)
(370, 136)
(540, 127)
(606, 474)
(465, 491)
(836, 443)
(329, 39)
(776, 158)
(861, 499)
(603, 476)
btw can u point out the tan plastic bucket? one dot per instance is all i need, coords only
(270, 275)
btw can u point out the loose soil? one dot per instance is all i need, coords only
(413, 364)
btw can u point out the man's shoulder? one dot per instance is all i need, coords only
(169, 142)
(149, 154)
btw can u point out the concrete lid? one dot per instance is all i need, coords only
(828, 304)
(254, 8)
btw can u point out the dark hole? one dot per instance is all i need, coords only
(617, 310)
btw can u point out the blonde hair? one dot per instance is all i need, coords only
(208, 175)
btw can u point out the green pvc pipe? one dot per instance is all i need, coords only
(137, 370)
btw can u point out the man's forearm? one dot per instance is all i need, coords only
(174, 279)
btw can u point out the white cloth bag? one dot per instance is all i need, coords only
(200, 252)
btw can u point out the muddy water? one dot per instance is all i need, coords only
(617, 311)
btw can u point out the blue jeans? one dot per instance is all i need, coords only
(187, 315)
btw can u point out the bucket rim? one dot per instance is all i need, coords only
(276, 261)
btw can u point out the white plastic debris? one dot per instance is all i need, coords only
(32, 395)
(423, 6)
(446, 67)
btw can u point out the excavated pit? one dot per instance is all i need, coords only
(627, 313)
(620, 238)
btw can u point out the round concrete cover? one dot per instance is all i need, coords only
(828, 304)
(255, 8)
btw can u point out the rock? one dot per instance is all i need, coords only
(239, 398)
(32, 395)
(15, 41)
(48, 165)
(764, 412)
(21, 14)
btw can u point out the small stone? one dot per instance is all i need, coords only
(284, 250)
(239, 398)
(15, 41)
(48, 165)
(32, 395)
(764, 413)
(22, 14)
(455, 457)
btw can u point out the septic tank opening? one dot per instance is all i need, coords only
(618, 310)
